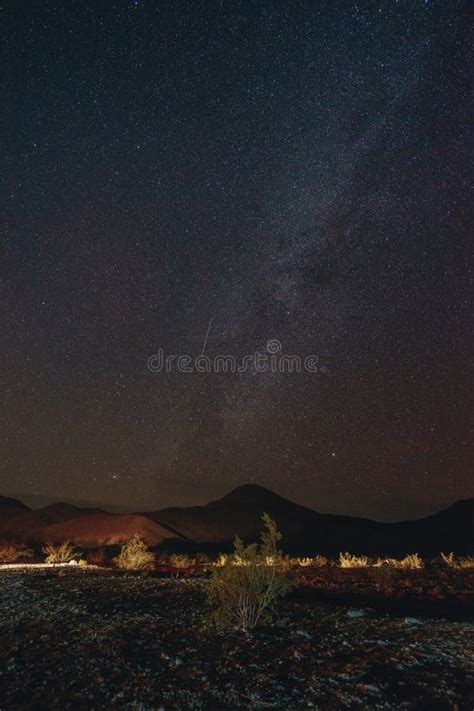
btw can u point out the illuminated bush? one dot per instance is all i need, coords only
(202, 559)
(244, 590)
(318, 561)
(134, 555)
(180, 561)
(11, 551)
(412, 560)
(302, 562)
(60, 553)
(346, 560)
(221, 561)
(457, 563)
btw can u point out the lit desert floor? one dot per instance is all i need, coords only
(82, 640)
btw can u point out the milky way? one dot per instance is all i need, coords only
(211, 176)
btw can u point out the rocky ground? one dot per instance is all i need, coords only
(90, 639)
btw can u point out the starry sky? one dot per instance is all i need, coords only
(210, 176)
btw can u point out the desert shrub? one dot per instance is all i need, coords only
(180, 561)
(134, 555)
(12, 551)
(59, 553)
(318, 561)
(347, 560)
(202, 559)
(220, 561)
(449, 559)
(457, 563)
(244, 591)
(412, 560)
(466, 562)
(302, 562)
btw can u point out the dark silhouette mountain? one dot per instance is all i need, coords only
(40, 501)
(250, 496)
(306, 531)
(214, 526)
(26, 524)
(450, 529)
(11, 507)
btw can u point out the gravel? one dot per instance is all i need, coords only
(86, 639)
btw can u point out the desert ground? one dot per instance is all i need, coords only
(91, 638)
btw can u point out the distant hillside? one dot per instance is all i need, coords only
(27, 524)
(87, 527)
(215, 525)
(10, 507)
(307, 531)
(102, 529)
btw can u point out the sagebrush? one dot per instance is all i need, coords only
(347, 560)
(12, 551)
(134, 555)
(60, 553)
(180, 560)
(457, 563)
(318, 561)
(244, 590)
(411, 561)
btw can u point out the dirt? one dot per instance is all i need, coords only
(93, 639)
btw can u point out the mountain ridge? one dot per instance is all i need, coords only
(215, 524)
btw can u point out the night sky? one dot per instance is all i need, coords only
(206, 177)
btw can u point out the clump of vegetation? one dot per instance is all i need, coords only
(302, 562)
(60, 553)
(412, 561)
(318, 561)
(457, 563)
(245, 589)
(203, 560)
(180, 561)
(347, 560)
(221, 561)
(134, 555)
(12, 551)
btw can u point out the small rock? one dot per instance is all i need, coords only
(302, 633)
(371, 689)
(356, 613)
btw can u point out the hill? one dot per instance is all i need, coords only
(88, 527)
(27, 524)
(11, 507)
(102, 529)
(307, 531)
(213, 527)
